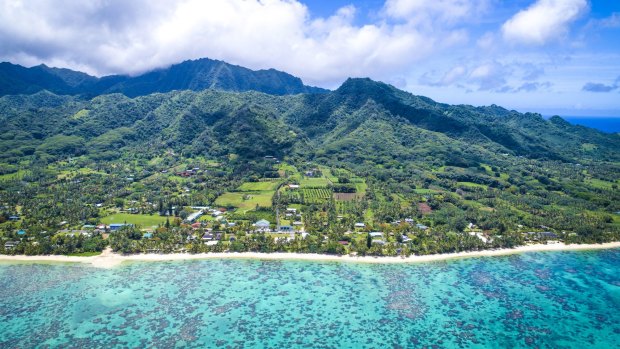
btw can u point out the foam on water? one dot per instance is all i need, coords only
(551, 299)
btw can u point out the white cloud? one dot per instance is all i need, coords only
(450, 11)
(544, 21)
(117, 36)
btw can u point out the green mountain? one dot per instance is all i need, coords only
(192, 75)
(366, 152)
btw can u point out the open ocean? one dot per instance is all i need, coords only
(543, 299)
(605, 124)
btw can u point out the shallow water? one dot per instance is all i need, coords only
(544, 299)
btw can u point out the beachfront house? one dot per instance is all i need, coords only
(9, 245)
(208, 236)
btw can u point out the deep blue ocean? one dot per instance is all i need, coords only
(532, 300)
(605, 124)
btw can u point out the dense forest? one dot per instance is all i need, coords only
(365, 169)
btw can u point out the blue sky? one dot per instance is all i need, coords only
(548, 56)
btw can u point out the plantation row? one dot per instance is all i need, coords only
(315, 196)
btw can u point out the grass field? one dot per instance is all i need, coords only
(307, 182)
(236, 200)
(598, 183)
(143, 220)
(360, 188)
(66, 174)
(425, 191)
(259, 186)
(472, 185)
(11, 176)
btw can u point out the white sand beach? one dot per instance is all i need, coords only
(109, 259)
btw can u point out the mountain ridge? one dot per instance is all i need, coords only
(196, 75)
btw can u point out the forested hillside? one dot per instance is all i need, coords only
(366, 153)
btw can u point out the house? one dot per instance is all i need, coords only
(406, 238)
(286, 229)
(263, 224)
(360, 225)
(547, 235)
(207, 236)
(74, 232)
(293, 186)
(14, 218)
(196, 225)
(193, 217)
(376, 234)
(118, 226)
(421, 226)
(298, 223)
(409, 220)
(187, 173)
(9, 245)
(291, 210)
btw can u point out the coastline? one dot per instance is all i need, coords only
(109, 259)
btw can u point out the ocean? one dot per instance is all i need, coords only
(605, 124)
(542, 299)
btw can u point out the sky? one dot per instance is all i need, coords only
(548, 56)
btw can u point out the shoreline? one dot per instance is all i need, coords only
(109, 259)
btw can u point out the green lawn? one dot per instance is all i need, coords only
(327, 172)
(598, 183)
(142, 220)
(10, 176)
(360, 188)
(425, 191)
(84, 254)
(472, 185)
(72, 173)
(314, 182)
(259, 186)
(236, 200)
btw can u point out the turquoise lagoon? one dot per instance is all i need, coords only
(545, 299)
